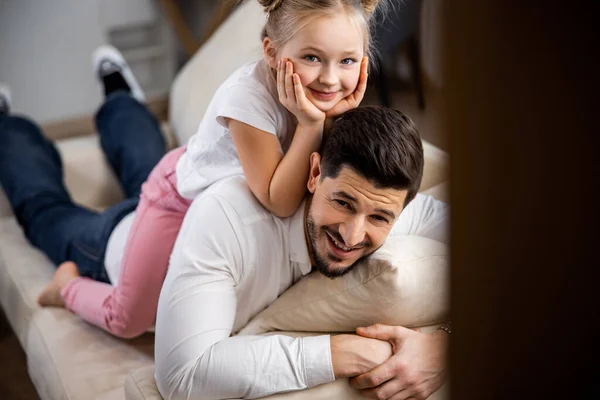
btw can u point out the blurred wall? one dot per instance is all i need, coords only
(45, 49)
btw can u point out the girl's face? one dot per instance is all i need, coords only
(326, 54)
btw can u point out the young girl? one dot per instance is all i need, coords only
(264, 122)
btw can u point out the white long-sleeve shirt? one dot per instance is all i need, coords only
(231, 260)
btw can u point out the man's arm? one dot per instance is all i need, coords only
(426, 217)
(195, 355)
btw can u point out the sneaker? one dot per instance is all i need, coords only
(107, 60)
(5, 101)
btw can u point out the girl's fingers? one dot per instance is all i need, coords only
(280, 81)
(364, 65)
(298, 91)
(289, 85)
(361, 88)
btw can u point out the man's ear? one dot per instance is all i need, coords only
(314, 174)
(269, 52)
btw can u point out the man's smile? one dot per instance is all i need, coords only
(340, 250)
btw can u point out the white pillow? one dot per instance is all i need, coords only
(405, 282)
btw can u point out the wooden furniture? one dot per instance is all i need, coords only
(188, 41)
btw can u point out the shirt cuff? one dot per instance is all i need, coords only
(317, 360)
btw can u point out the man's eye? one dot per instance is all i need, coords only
(379, 218)
(343, 203)
(348, 61)
(311, 58)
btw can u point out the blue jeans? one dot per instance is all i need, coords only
(32, 177)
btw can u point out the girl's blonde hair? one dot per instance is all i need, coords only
(286, 17)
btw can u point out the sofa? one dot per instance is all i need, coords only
(70, 359)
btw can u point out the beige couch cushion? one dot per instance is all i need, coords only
(435, 170)
(403, 283)
(440, 192)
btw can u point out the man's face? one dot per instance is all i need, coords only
(348, 218)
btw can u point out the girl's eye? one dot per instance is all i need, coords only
(348, 61)
(311, 58)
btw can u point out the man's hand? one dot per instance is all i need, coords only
(353, 99)
(415, 371)
(352, 355)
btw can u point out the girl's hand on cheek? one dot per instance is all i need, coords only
(292, 96)
(353, 99)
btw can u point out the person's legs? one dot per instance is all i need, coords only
(129, 134)
(131, 139)
(31, 175)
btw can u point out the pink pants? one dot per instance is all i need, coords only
(129, 309)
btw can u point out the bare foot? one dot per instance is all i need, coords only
(64, 274)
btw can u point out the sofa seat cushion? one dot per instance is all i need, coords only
(70, 359)
(67, 358)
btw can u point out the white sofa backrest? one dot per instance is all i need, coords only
(235, 43)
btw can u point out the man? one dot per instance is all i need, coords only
(233, 258)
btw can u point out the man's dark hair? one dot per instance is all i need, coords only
(381, 144)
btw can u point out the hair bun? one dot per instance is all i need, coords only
(270, 5)
(369, 5)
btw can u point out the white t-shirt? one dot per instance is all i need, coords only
(250, 96)
(115, 248)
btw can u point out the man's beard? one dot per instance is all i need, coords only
(319, 262)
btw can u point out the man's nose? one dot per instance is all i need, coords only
(328, 75)
(353, 231)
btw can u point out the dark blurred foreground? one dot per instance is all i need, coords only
(521, 101)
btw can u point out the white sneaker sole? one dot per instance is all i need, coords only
(5, 94)
(107, 52)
